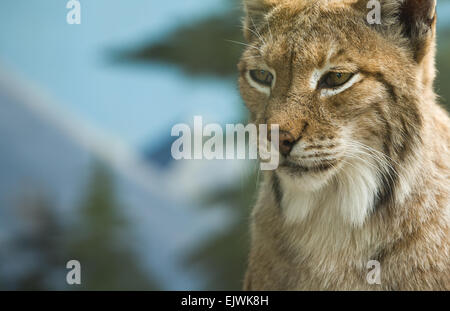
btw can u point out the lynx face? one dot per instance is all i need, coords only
(331, 82)
(365, 149)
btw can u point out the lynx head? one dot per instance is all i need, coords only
(347, 95)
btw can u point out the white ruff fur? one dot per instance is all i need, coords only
(350, 194)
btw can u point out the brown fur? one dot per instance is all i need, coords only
(404, 216)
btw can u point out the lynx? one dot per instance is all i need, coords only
(364, 169)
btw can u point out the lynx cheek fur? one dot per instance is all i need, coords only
(365, 165)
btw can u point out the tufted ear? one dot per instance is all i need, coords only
(256, 11)
(416, 19)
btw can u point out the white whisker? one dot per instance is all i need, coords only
(246, 44)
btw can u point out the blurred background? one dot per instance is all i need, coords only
(86, 173)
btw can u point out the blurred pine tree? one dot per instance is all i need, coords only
(35, 247)
(100, 239)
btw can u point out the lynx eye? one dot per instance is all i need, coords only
(335, 79)
(263, 77)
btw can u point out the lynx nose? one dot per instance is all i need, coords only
(287, 142)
